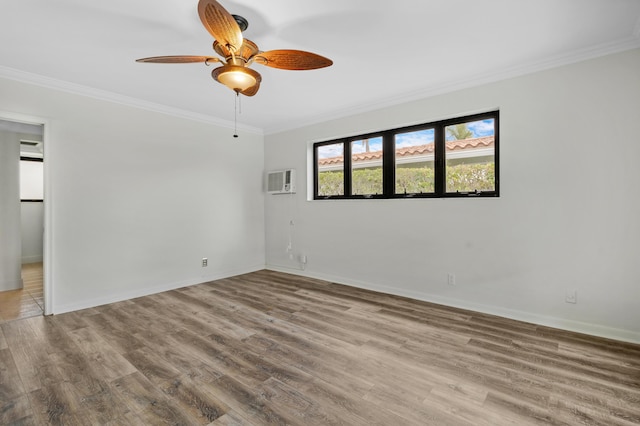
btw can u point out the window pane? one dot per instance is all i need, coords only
(470, 156)
(415, 162)
(330, 169)
(366, 166)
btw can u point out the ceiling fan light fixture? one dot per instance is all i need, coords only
(235, 77)
(238, 53)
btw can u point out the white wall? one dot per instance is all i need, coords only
(138, 198)
(567, 218)
(32, 229)
(10, 244)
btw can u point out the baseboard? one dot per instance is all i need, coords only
(31, 259)
(555, 322)
(12, 285)
(146, 291)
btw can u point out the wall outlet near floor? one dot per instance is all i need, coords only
(451, 279)
(205, 262)
(571, 296)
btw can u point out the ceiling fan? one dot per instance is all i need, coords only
(238, 54)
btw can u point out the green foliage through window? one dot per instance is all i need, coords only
(409, 180)
(414, 180)
(471, 177)
(331, 183)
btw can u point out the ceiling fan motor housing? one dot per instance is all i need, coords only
(242, 22)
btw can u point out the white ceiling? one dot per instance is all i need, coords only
(383, 52)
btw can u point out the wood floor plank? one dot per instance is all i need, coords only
(153, 367)
(201, 316)
(71, 321)
(261, 305)
(54, 404)
(408, 407)
(3, 340)
(330, 366)
(133, 319)
(574, 411)
(292, 300)
(227, 363)
(185, 361)
(74, 367)
(29, 353)
(244, 399)
(603, 373)
(519, 412)
(104, 359)
(351, 410)
(270, 348)
(274, 368)
(195, 400)
(456, 402)
(307, 321)
(231, 419)
(16, 410)
(286, 398)
(102, 406)
(10, 382)
(119, 338)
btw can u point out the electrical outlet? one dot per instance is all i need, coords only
(571, 296)
(205, 262)
(451, 279)
(303, 259)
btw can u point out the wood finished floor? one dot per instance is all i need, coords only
(26, 302)
(271, 348)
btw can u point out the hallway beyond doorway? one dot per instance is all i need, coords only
(27, 302)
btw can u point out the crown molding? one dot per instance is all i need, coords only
(103, 95)
(491, 77)
(581, 55)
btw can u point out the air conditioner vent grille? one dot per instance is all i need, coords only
(281, 182)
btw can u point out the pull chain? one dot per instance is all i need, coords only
(235, 116)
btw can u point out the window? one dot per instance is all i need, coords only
(470, 156)
(31, 179)
(366, 166)
(331, 175)
(414, 162)
(449, 158)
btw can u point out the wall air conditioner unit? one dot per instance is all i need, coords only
(281, 182)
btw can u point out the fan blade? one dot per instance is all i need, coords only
(220, 23)
(292, 60)
(177, 59)
(252, 90)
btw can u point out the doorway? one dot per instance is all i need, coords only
(24, 282)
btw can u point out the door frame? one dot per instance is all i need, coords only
(47, 254)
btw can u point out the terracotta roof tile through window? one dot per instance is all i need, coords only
(409, 151)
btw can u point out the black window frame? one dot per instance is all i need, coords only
(388, 160)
